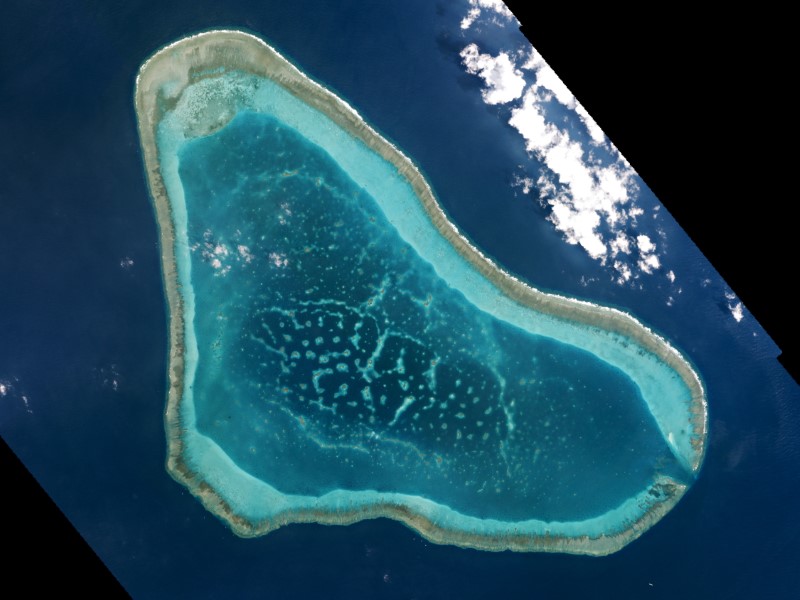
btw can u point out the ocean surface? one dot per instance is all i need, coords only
(83, 350)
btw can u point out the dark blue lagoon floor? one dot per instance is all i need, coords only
(83, 351)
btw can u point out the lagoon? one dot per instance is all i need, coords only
(340, 351)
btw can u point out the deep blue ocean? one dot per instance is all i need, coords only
(83, 329)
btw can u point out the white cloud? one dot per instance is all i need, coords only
(245, 253)
(592, 127)
(496, 7)
(644, 244)
(649, 263)
(588, 186)
(737, 311)
(278, 259)
(547, 79)
(736, 307)
(504, 81)
(213, 252)
(473, 14)
(13, 390)
(620, 244)
(624, 271)
(526, 183)
(580, 194)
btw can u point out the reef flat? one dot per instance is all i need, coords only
(271, 299)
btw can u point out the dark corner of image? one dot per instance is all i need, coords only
(695, 108)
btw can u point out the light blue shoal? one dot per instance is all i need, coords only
(257, 501)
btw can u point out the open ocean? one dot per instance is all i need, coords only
(83, 330)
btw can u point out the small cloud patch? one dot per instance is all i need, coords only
(278, 259)
(498, 12)
(11, 389)
(504, 81)
(735, 306)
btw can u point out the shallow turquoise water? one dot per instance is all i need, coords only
(332, 356)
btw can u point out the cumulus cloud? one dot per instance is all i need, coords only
(278, 259)
(580, 193)
(620, 244)
(645, 245)
(737, 311)
(245, 253)
(223, 256)
(12, 389)
(648, 261)
(504, 82)
(736, 307)
(623, 270)
(551, 85)
(589, 188)
(493, 7)
(526, 183)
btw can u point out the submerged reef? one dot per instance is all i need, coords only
(339, 351)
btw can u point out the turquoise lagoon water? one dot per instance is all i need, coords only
(340, 352)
